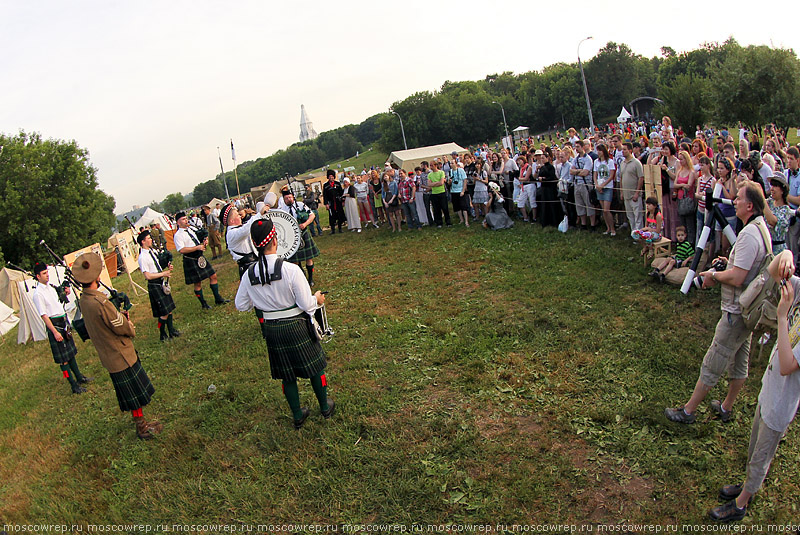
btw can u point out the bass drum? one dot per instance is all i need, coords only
(287, 232)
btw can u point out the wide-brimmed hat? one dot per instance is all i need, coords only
(780, 179)
(87, 267)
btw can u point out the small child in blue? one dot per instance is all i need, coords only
(684, 253)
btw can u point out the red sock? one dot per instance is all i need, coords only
(137, 413)
(324, 380)
(66, 374)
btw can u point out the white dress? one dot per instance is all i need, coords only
(351, 210)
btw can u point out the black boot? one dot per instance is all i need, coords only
(173, 332)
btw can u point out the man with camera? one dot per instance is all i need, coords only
(196, 268)
(50, 306)
(730, 348)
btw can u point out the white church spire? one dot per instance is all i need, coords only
(306, 128)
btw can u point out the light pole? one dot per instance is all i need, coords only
(504, 116)
(402, 130)
(585, 89)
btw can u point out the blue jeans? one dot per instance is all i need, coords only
(316, 222)
(410, 211)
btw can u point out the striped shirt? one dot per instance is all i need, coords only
(684, 250)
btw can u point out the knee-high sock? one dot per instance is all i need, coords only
(170, 326)
(293, 397)
(68, 376)
(320, 386)
(310, 270)
(215, 290)
(162, 327)
(199, 295)
(73, 364)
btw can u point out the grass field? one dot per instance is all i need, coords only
(480, 377)
(366, 159)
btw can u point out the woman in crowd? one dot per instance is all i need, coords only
(550, 213)
(351, 206)
(684, 187)
(666, 128)
(362, 198)
(375, 196)
(604, 172)
(391, 201)
(497, 218)
(778, 212)
(496, 168)
(669, 208)
(520, 183)
(654, 158)
(727, 180)
(481, 196)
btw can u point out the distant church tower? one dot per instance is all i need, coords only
(306, 128)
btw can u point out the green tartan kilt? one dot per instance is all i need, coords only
(192, 273)
(161, 303)
(292, 351)
(308, 250)
(62, 351)
(133, 387)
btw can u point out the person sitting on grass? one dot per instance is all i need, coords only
(654, 225)
(684, 253)
(778, 399)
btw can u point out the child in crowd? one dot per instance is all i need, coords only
(654, 226)
(684, 253)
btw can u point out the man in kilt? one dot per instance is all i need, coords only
(283, 296)
(308, 250)
(111, 333)
(196, 268)
(157, 277)
(50, 307)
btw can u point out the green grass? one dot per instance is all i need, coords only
(480, 377)
(367, 158)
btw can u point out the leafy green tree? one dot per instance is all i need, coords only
(756, 85)
(174, 202)
(155, 205)
(50, 192)
(688, 100)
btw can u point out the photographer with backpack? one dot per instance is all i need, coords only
(730, 348)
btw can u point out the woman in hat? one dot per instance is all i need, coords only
(111, 333)
(778, 212)
(280, 292)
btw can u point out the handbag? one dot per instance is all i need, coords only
(686, 206)
(593, 197)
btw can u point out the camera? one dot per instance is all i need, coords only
(717, 265)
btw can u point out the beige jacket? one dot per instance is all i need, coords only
(110, 331)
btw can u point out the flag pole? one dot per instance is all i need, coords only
(235, 174)
(227, 195)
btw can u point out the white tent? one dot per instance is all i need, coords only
(7, 319)
(408, 159)
(151, 216)
(31, 324)
(213, 203)
(624, 116)
(9, 292)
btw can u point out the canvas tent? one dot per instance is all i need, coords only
(624, 116)
(213, 203)
(411, 158)
(151, 216)
(7, 319)
(9, 291)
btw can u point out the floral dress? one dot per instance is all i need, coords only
(784, 214)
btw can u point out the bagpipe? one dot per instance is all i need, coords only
(120, 299)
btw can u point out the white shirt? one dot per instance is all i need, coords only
(292, 210)
(45, 299)
(183, 238)
(238, 239)
(148, 261)
(292, 289)
(215, 211)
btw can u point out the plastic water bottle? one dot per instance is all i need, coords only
(212, 388)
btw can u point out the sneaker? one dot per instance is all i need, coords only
(730, 492)
(727, 513)
(725, 416)
(83, 380)
(299, 422)
(375, 225)
(679, 415)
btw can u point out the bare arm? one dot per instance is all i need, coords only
(788, 363)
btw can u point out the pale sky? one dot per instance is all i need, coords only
(151, 89)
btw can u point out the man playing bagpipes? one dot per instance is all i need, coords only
(157, 275)
(196, 267)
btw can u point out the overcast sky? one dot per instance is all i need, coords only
(151, 89)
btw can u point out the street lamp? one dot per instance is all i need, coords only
(585, 89)
(504, 115)
(402, 130)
